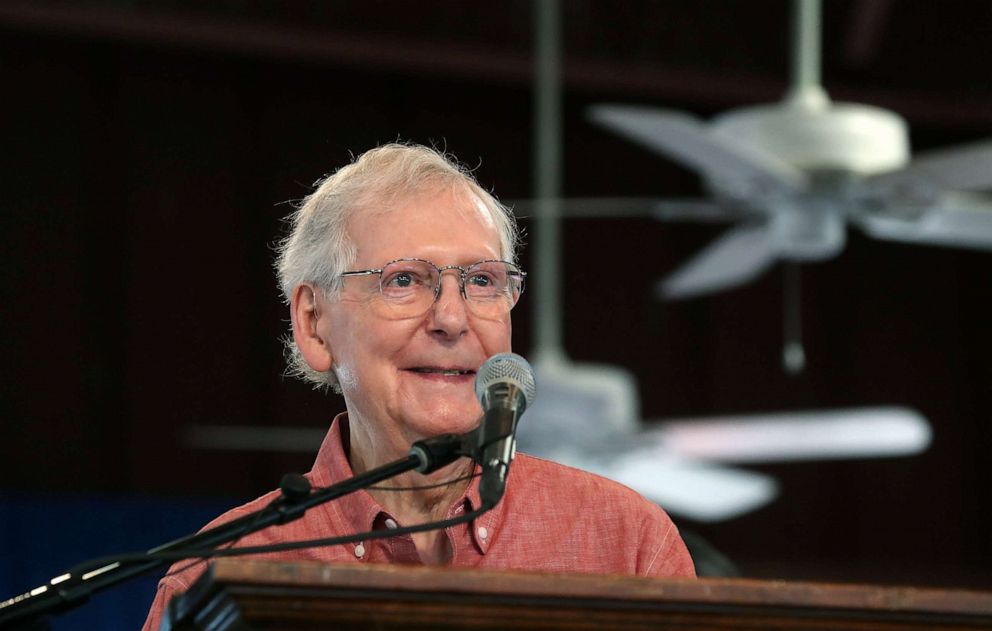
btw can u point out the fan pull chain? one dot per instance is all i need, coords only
(793, 354)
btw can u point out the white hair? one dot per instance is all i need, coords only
(318, 248)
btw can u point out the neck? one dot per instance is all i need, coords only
(408, 504)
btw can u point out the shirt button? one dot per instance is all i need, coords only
(483, 532)
(359, 551)
(390, 524)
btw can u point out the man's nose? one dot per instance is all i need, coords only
(450, 312)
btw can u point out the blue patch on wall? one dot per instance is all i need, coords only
(44, 535)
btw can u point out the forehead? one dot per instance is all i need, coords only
(448, 225)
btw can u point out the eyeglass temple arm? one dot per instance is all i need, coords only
(364, 272)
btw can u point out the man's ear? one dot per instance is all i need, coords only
(305, 312)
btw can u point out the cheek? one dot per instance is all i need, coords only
(375, 344)
(496, 336)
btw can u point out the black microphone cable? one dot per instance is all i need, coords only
(204, 554)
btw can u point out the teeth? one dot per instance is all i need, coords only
(440, 371)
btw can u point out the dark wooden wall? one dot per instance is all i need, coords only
(143, 185)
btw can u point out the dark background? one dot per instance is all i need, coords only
(150, 149)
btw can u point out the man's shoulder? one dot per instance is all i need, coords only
(553, 479)
(183, 573)
(593, 513)
(245, 509)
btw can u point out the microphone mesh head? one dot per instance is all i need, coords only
(506, 368)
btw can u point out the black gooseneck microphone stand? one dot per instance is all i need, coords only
(73, 588)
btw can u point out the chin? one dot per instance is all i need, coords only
(449, 420)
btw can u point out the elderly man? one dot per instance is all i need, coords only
(400, 273)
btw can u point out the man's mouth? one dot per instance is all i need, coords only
(448, 372)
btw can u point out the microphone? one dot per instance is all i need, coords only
(505, 387)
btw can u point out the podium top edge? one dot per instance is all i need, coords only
(703, 591)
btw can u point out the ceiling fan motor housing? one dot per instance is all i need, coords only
(859, 139)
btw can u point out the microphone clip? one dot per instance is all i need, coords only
(438, 451)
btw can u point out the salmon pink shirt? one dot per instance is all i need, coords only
(552, 518)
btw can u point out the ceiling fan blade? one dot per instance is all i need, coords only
(700, 491)
(697, 210)
(254, 438)
(960, 168)
(688, 141)
(736, 257)
(674, 209)
(959, 220)
(791, 436)
(624, 207)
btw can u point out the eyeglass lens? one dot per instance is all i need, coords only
(491, 288)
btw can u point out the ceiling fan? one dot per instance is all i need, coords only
(795, 174)
(588, 415)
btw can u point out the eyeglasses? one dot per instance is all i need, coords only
(410, 286)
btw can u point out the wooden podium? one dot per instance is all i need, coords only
(239, 594)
